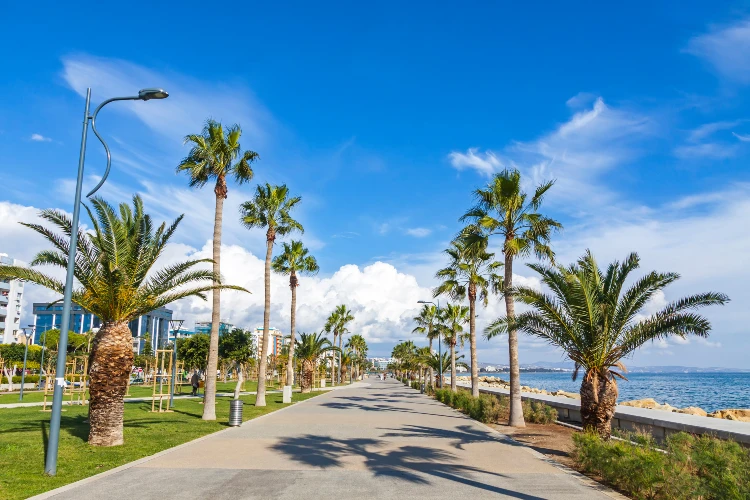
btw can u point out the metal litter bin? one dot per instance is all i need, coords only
(421, 389)
(235, 412)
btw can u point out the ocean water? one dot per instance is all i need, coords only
(710, 391)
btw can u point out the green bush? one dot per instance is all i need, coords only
(702, 467)
(489, 409)
(538, 413)
(30, 379)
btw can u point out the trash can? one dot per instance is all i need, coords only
(421, 389)
(235, 412)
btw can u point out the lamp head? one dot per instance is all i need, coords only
(147, 94)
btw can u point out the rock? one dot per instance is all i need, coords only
(566, 394)
(693, 410)
(741, 415)
(648, 403)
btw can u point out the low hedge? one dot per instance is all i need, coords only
(30, 379)
(490, 409)
(692, 467)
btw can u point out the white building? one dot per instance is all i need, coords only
(11, 303)
(382, 363)
(276, 340)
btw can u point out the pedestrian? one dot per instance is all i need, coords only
(194, 381)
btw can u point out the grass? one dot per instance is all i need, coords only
(136, 391)
(24, 431)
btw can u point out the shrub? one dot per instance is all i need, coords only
(702, 467)
(488, 409)
(30, 379)
(538, 413)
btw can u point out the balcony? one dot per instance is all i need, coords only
(4, 285)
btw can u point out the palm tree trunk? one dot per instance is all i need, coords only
(333, 362)
(432, 374)
(453, 367)
(111, 359)
(240, 380)
(516, 405)
(307, 375)
(473, 342)
(260, 399)
(290, 362)
(598, 403)
(341, 341)
(209, 397)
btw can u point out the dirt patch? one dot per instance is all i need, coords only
(552, 440)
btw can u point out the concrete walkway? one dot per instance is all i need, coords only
(371, 440)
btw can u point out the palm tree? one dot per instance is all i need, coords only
(453, 317)
(358, 345)
(216, 154)
(114, 265)
(427, 325)
(269, 209)
(405, 353)
(502, 209)
(434, 361)
(294, 259)
(473, 272)
(310, 347)
(336, 323)
(598, 323)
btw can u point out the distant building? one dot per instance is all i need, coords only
(205, 327)
(153, 326)
(489, 369)
(461, 369)
(382, 363)
(181, 333)
(275, 344)
(11, 297)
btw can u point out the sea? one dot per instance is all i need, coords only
(710, 391)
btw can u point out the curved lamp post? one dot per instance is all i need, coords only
(440, 344)
(28, 333)
(50, 464)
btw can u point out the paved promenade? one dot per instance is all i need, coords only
(372, 440)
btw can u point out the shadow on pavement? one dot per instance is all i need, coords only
(414, 464)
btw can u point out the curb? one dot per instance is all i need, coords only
(135, 463)
(602, 488)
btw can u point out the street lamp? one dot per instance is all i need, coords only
(50, 464)
(175, 325)
(28, 332)
(440, 343)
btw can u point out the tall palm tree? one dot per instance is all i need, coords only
(336, 323)
(502, 209)
(434, 361)
(597, 322)
(294, 259)
(216, 154)
(427, 321)
(473, 272)
(113, 266)
(310, 347)
(452, 318)
(270, 208)
(358, 345)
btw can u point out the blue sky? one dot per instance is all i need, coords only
(384, 120)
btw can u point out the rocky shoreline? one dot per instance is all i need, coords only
(741, 415)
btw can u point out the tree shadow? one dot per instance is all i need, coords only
(381, 407)
(460, 436)
(414, 464)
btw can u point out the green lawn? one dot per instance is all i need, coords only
(136, 391)
(23, 437)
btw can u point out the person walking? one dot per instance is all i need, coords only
(195, 381)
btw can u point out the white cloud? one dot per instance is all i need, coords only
(577, 153)
(189, 104)
(743, 138)
(418, 232)
(706, 150)
(485, 163)
(40, 138)
(726, 49)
